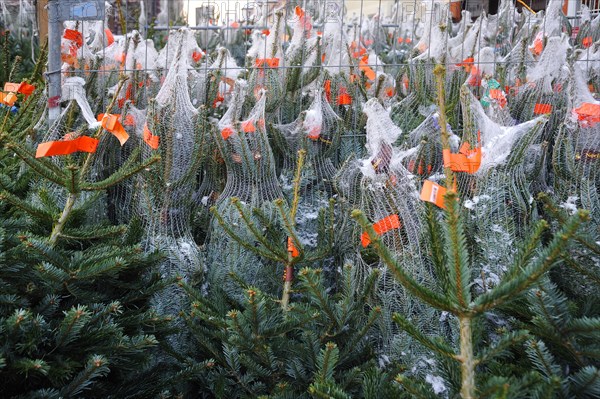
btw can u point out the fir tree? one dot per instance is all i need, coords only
(75, 317)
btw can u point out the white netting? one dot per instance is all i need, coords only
(252, 180)
(227, 109)
(385, 191)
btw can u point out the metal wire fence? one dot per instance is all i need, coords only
(391, 29)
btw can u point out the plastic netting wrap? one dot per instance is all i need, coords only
(577, 148)
(266, 74)
(501, 189)
(139, 64)
(252, 187)
(384, 190)
(176, 130)
(317, 132)
(543, 92)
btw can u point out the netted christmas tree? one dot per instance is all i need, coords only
(177, 131)
(251, 190)
(75, 288)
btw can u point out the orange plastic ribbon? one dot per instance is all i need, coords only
(314, 133)
(292, 248)
(466, 160)
(474, 77)
(327, 87)
(540, 109)
(23, 88)
(359, 53)
(587, 41)
(434, 193)
(248, 127)
(266, 32)
(74, 36)
(196, 56)
(69, 59)
(65, 147)
(8, 98)
(364, 66)
(110, 39)
(467, 64)
(344, 98)
(499, 96)
(383, 226)
(111, 123)
(304, 21)
(267, 62)
(218, 100)
(226, 133)
(538, 46)
(150, 139)
(589, 113)
(129, 120)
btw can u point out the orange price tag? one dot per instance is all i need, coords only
(434, 193)
(111, 123)
(218, 100)
(129, 120)
(344, 98)
(26, 89)
(538, 46)
(466, 160)
(65, 147)
(267, 62)
(327, 87)
(110, 39)
(292, 248)
(196, 56)
(151, 139)
(12, 87)
(369, 72)
(588, 112)
(8, 98)
(383, 226)
(248, 127)
(75, 36)
(467, 64)
(226, 133)
(314, 133)
(540, 109)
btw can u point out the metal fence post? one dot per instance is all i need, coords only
(55, 27)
